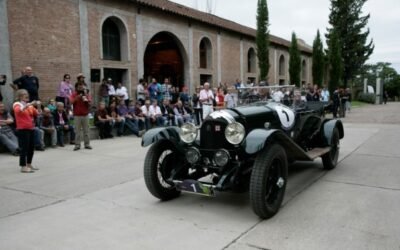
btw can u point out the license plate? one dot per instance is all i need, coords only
(193, 186)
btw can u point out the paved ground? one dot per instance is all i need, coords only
(97, 200)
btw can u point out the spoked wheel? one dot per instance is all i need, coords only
(330, 159)
(268, 181)
(158, 165)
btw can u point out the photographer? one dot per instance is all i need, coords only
(3, 79)
(81, 101)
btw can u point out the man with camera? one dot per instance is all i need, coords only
(81, 101)
(3, 79)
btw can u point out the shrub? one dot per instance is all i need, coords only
(366, 97)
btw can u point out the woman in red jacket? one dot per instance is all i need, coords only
(25, 114)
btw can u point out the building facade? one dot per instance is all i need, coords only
(131, 39)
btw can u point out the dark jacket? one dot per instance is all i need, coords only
(56, 118)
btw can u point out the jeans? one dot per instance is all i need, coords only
(60, 133)
(119, 125)
(38, 137)
(9, 140)
(132, 125)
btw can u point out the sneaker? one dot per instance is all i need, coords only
(77, 148)
(33, 168)
(141, 133)
(39, 148)
(88, 147)
(26, 170)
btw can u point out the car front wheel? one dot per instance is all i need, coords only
(158, 166)
(330, 159)
(268, 181)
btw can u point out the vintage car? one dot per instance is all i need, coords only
(239, 149)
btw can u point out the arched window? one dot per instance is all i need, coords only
(205, 50)
(282, 65)
(111, 40)
(251, 61)
(304, 69)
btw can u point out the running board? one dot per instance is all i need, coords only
(317, 152)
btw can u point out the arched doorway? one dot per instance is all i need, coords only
(163, 59)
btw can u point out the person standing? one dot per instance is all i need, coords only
(25, 114)
(140, 94)
(229, 99)
(103, 92)
(197, 106)
(65, 90)
(3, 80)
(29, 82)
(206, 99)
(122, 93)
(325, 96)
(81, 101)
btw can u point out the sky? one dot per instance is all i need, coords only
(305, 17)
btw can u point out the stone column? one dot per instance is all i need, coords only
(5, 56)
(365, 85)
(140, 47)
(84, 33)
(379, 88)
(241, 61)
(190, 55)
(219, 69)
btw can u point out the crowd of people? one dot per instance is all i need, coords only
(32, 125)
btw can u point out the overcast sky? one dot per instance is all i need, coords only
(305, 17)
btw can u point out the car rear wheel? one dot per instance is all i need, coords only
(158, 165)
(268, 181)
(330, 159)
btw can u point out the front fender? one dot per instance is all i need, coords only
(328, 127)
(163, 133)
(256, 139)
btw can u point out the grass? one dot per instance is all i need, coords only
(358, 104)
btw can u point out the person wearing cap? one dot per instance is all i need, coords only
(81, 101)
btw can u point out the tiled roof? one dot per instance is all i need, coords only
(214, 20)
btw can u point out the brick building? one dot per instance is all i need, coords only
(130, 39)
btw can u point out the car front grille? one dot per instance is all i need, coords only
(212, 135)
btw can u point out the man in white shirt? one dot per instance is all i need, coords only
(325, 95)
(277, 95)
(122, 92)
(155, 114)
(146, 113)
(140, 95)
(111, 89)
(206, 98)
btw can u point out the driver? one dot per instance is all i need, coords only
(298, 103)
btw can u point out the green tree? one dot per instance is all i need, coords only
(335, 63)
(347, 21)
(383, 70)
(294, 62)
(262, 39)
(318, 60)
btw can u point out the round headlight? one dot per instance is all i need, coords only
(192, 155)
(235, 133)
(188, 133)
(221, 157)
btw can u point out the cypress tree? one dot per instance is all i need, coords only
(318, 60)
(294, 62)
(262, 39)
(348, 22)
(335, 62)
